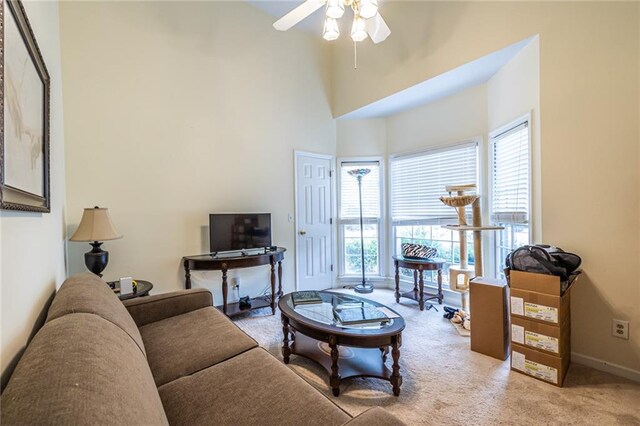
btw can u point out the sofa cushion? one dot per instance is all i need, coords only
(251, 388)
(145, 310)
(82, 369)
(183, 344)
(88, 293)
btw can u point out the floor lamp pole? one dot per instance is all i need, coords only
(364, 282)
(364, 287)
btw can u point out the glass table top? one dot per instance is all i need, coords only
(324, 312)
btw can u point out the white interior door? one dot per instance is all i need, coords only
(313, 221)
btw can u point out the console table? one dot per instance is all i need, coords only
(418, 266)
(236, 260)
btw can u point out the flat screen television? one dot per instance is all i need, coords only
(230, 231)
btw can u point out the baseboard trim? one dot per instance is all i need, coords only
(606, 366)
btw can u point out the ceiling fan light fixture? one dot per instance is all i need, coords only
(335, 9)
(358, 30)
(368, 8)
(331, 31)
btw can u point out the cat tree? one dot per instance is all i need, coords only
(459, 275)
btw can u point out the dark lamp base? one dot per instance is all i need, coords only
(96, 259)
(363, 288)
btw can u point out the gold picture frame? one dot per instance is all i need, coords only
(24, 115)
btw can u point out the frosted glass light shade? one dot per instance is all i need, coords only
(358, 30)
(368, 8)
(95, 225)
(331, 30)
(335, 9)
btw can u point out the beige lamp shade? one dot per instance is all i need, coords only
(96, 225)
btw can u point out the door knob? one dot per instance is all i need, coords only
(302, 232)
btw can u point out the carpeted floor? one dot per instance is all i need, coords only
(446, 383)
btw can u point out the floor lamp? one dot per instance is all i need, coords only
(364, 287)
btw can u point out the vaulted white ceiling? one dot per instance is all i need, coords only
(443, 85)
(278, 9)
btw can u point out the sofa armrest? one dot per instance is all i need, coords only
(375, 416)
(148, 309)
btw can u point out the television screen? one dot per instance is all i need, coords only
(239, 231)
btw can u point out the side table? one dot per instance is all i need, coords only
(143, 289)
(418, 266)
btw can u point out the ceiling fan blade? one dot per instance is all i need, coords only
(298, 14)
(377, 28)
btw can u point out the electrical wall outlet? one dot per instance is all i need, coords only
(620, 329)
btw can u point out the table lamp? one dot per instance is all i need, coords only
(95, 227)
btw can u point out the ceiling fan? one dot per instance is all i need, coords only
(366, 19)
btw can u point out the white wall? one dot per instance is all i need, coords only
(511, 93)
(179, 109)
(457, 118)
(361, 138)
(589, 130)
(32, 261)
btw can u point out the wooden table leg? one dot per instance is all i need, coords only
(280, 278)
(421, 301)
(187, 275)
(415, 282)
(397, 281)
(440, 296)
(396, 378)
(334, 379)
(225, 288)
(273, 286)
(384, 351)
(286, 350)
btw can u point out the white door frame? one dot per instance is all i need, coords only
(296, 155)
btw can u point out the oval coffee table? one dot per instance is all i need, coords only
(344, 351)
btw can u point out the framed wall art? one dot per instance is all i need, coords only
(24, 120)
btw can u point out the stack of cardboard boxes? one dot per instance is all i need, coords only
(540, 325)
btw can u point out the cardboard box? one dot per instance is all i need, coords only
(540, 283)
(489, 317)
(540, 307)
(542, 366)
(551, 339)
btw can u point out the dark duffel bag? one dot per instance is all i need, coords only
(543, 259)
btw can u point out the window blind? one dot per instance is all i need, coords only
(510, 176)
(419, 180)
(349, 206)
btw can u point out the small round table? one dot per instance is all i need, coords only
(343, 350)
(143, 289)
(419, 266)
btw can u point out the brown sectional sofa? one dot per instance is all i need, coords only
(166, 359)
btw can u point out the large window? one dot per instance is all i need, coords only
(510, 183)
(350, 253)
(417, 183)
